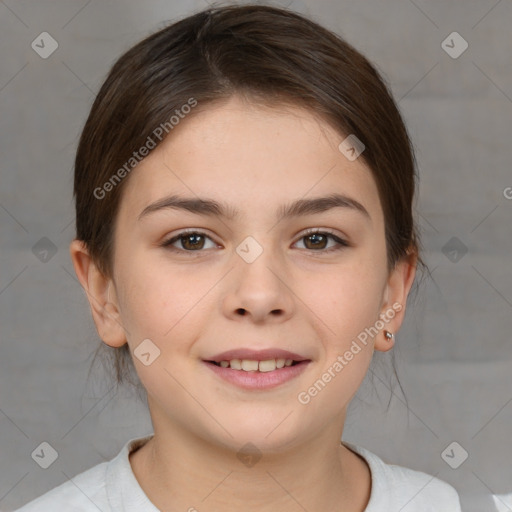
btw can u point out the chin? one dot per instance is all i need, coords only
(259, 435)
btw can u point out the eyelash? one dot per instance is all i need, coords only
(341, 244)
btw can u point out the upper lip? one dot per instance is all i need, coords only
(256, 355)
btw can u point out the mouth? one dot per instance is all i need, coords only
(257, 370)
(254, 365)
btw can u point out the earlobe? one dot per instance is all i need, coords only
(389, 341)
(104, 309)
(397, 289)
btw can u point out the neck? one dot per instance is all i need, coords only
(181, 471)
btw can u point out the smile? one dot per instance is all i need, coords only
(256, 375)
(252, 365)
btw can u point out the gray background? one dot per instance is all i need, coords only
(453, 353)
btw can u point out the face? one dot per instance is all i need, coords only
(248, 282)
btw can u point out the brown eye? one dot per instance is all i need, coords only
(190, 241)
(317, 241)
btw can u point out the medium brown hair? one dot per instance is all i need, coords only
(268, 55)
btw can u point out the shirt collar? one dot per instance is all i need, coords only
(123, 489)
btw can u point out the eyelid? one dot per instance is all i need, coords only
(309, 231)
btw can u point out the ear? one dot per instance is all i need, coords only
(394, 300)
(101, 295)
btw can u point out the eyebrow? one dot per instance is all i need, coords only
(210, 207)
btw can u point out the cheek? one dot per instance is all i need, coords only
(144, 299)
(155, 306)
(344, 299)
(159, 304)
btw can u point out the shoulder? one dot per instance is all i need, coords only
(398, 488)
(107, 487)
(82, 493)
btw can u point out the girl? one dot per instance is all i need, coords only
(244, 187)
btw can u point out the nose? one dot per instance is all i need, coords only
(260, 291)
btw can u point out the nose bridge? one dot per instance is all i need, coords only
(259, 259)
(258, 284)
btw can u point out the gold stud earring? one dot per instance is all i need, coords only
(389, 335)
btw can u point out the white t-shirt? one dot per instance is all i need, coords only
(112, 486)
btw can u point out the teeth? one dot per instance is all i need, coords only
(236, 364)
(267, 366)
(250, 365)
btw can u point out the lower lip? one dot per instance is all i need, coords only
(259, 380)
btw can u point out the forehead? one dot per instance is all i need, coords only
(250, 156)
